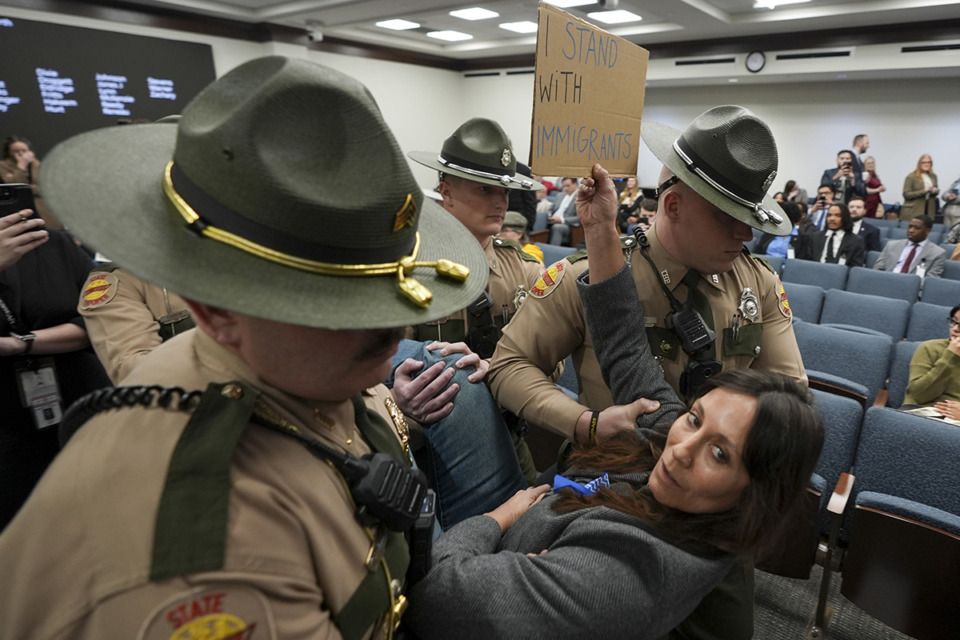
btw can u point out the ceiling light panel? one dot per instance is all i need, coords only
(450, 36)
(620, 16)
(520, 27)
(474, 13)
(398, 24)
(566, 4)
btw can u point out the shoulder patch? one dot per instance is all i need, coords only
(576, 257)
(212, 613)
(99, 289)
(502, 243)
(550, 277)
(782, 303)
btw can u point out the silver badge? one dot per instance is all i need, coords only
(768, 181)
(716, 279)
(749, 305)
(505, 158)
(519, 297)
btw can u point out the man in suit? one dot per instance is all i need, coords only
(563, 215)
(861, 142)
(869, 233)
(845, 180)
(837, 244)
(816, 220)
(915, 254)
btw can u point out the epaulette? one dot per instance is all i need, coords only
(627, 243)
(501, 243)
(760, 259)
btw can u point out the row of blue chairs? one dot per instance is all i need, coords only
(886, 501)
(904, 286)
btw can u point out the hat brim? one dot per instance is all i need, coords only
(659, 138)
(106, 187)
(430, 160)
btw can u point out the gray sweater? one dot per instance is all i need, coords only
(604, 574)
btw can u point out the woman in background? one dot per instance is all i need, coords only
(920, 191)
(19, 164)
(874, 188)
(793, 193)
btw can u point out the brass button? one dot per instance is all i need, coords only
(665, 346)
(232, 391)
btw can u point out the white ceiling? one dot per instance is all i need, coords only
(663, 21)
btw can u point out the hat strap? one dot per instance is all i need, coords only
(504, 179)
(411, 288)
(762, 213)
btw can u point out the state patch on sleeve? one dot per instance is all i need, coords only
(782, 302)
(212, 613)
(99, 289)
(549, 278)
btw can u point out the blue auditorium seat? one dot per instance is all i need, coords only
(885, 315)
(905, 286)
(942, 291)
(805, 300)
(826, 276)
(899, 372)
(928, 322)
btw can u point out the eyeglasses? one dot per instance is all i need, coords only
(954, 323)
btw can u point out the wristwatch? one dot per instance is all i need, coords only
(26, 338)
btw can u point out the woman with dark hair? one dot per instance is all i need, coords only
(653, 518)
(935, 372)
(18, 164)
(793, 193)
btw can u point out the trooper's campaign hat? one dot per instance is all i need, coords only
(250, 202)
(729, 157)
(478, 150)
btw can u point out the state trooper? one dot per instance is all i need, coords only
(234, 492)
(713, 190)
(477, 169)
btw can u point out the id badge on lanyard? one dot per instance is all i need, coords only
(37, 381)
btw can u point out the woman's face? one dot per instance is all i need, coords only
(701, 469)
(17, 149)
(955, 325)
(926, 164)
(631, 183)
(870, 164)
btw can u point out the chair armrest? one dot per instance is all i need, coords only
(903, 508)
(841, 494)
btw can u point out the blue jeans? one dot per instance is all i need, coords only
(470, 458)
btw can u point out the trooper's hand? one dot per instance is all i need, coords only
(613, 420)
(469, 359)
(597, 199)
(426, 398)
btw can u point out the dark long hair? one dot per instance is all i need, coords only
(9, 141)
(846, 222)
(780, 454)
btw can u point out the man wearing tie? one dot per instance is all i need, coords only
(564, 214)
(915, 254)
(837, 244)
(818, 216)
(869, 233)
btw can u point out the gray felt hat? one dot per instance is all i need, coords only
(729, 157)
(251, 202)
(478, 150)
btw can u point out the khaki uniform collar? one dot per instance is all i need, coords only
(324, 419)
(491, 252)
(671, 270)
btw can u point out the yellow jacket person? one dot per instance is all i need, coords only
(228, 493)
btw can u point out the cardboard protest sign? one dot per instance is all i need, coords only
(587, 100)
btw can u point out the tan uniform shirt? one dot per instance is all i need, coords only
(120, 312)
(510, 278)
(75, 561)
(552, 325)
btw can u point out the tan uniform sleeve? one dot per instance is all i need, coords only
(544, 332)
(122, 329)
(778, 344)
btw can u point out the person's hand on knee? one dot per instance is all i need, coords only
(425, 397)
(469, 359)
